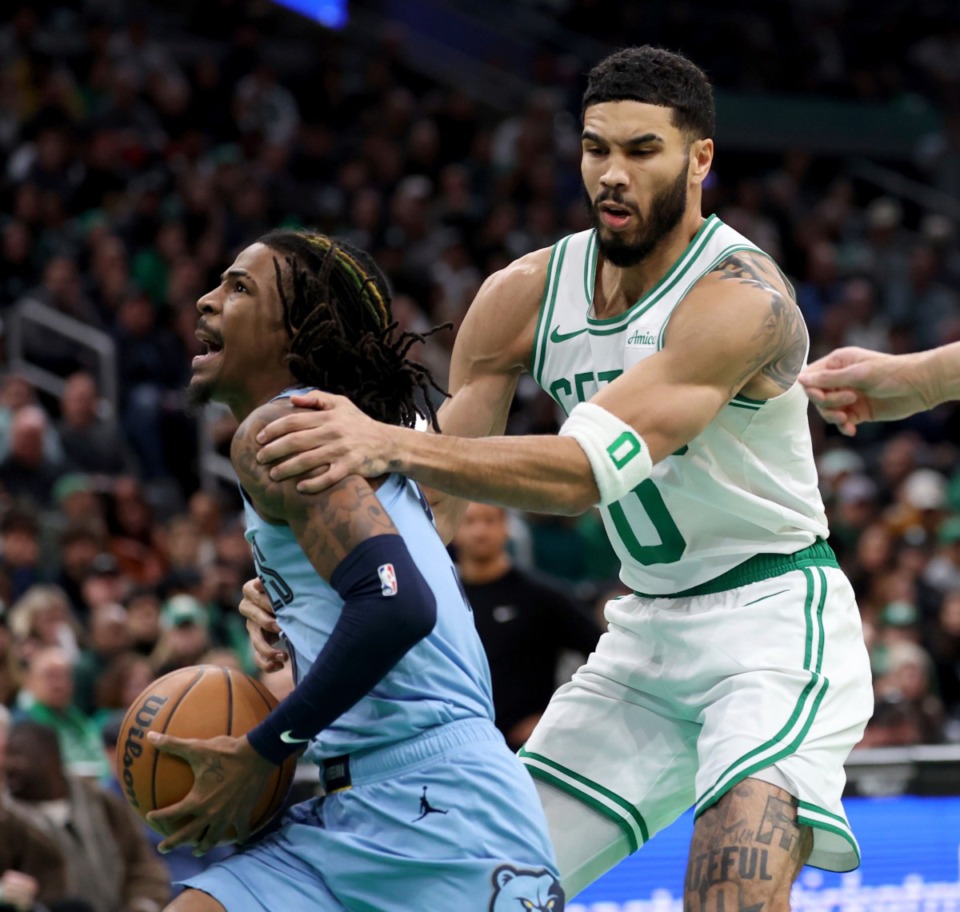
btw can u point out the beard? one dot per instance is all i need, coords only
(666, 210)
(199, 394)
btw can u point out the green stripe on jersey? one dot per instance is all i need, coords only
(674, 275)
(547, 303)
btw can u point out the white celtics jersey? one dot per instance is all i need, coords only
(746, 485)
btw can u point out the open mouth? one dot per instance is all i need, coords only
(614, 216)
(211, 348)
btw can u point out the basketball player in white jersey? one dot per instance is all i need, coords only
(735, 677)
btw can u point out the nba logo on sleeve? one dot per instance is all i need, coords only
(388, 579)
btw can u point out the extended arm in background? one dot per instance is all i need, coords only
(853, 385)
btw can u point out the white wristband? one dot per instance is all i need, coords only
(618, 455)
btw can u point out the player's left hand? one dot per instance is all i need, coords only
(325, 440)
(228, 778)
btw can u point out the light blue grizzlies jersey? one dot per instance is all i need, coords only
(444, 677)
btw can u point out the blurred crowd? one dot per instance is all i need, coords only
(139, 151)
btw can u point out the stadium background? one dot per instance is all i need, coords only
(143, 143)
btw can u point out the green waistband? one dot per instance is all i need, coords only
(756, 568)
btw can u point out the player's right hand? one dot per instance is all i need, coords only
(262, 627)
(323, 441)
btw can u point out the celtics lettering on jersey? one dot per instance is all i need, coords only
(746, 484)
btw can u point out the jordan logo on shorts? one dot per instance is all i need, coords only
(426, 808)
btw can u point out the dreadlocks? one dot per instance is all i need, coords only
(343, 339)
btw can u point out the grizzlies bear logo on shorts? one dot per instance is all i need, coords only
(537, 891)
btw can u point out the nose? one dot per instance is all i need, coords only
(207, 303)
(615, 174)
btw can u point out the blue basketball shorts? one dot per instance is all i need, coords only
(449, 819)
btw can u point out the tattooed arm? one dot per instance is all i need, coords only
(327, 525)
(738, 330)
(349, 540)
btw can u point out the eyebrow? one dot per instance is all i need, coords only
(590, 136)
(237, 274)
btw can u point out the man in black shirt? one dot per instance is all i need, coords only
(525, 624)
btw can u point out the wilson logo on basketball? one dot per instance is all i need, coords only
(133, 746)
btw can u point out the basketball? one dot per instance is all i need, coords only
(200, 701)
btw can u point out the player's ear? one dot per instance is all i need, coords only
(701, 158)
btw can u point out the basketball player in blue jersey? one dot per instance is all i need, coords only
(734, 678)
(425, 806)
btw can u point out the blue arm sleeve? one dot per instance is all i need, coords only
(384, 614)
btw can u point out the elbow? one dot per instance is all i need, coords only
(418, 615)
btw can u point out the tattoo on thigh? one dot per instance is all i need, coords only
(779, 816)
(718, 866)
(729, 900)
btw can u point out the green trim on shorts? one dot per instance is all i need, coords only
(757, 568)
(602, 800)
(812, 815)
(805, 711)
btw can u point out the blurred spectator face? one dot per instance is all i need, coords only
(136, 315)
(16, 392)
(221, 584)
(186, 643)
(78, 553)
(875, 548)
(182, 542)
(15, 243)
(41, 616)
(78, 404)
(133, 513)
(32, 768)
(206, 512)
(52, 147)
(143, 618)
(108, 631)
(104, 584)
(233, 547)
(950, 614)
(139, 674)
(19, 543)
(899, 458)
(482, 536)
(82, 505)
(61, 280)
(26, 435)
(899, 623)
(856, 501)
(49, 678)
(186, 636)
(859, 300)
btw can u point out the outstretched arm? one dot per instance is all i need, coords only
(739, 330)
(853, 385)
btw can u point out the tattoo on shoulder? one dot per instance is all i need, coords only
(243, 455)
(783, 336)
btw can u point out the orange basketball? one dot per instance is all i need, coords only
(200, 701)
